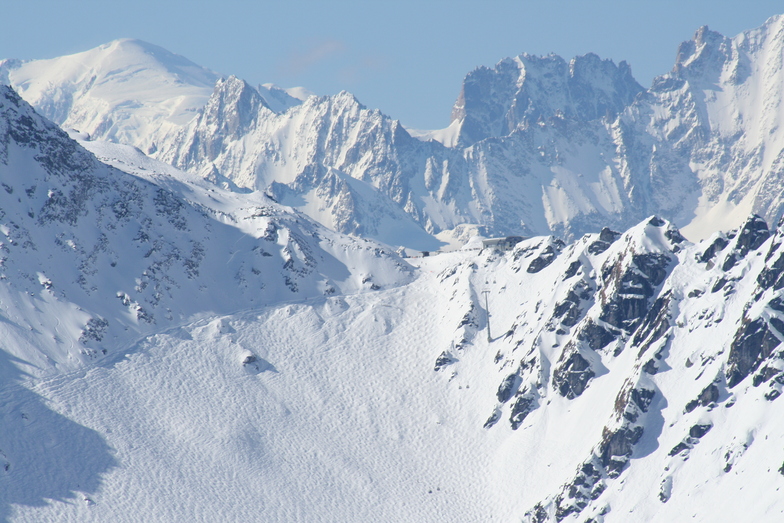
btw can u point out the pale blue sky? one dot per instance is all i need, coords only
(404, 57)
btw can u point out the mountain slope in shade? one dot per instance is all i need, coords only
(110, 255)
(522, 90)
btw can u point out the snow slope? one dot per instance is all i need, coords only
(329, 408)
(110, 255)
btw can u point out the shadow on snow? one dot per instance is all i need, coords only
(44, 456)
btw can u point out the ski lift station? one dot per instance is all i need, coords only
(505, 243)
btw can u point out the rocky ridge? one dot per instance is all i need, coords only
(108, 252)
(673, 334)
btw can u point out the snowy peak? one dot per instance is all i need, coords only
(347, 166)
(576, 145)
(280, 100)
(129, 52)
(711, 58)
(232, 108)
(126, 90)
(493, 102)
(719, 112)
(705, 56)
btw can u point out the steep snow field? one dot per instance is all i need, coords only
(329, 409)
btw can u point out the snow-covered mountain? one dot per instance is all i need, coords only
(126, 91)
(108, 254)
(188, 346)
(353, 169)
(536, 145)
(720, 112)
(622, 376)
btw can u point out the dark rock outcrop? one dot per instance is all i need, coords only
(573, 373)
(715, 247)
(772, 275)
(655, 325)
(546, 257)
(508, 387)
(752, 235)
(521, 408)
(606, 238)
(597, 336)
(628, 289)
(709, 394)
(753, 343)
(443, 360)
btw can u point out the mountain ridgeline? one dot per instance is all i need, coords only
(536, 145)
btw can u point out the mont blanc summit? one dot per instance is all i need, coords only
(228, 302)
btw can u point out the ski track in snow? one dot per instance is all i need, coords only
(345, 419)
(331, 434)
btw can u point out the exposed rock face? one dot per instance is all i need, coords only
(608, 460)
(520, 409)
(606, 237)
(753, 343)
(753, 234)
(633, 288)
(709, 394)
(546, 257)
(572, 374)
(508, 387)
(518, 92)
(522, 133)
(231, 111)
(695, 327)
(596, 336)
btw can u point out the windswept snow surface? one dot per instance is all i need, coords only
(329, 408)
